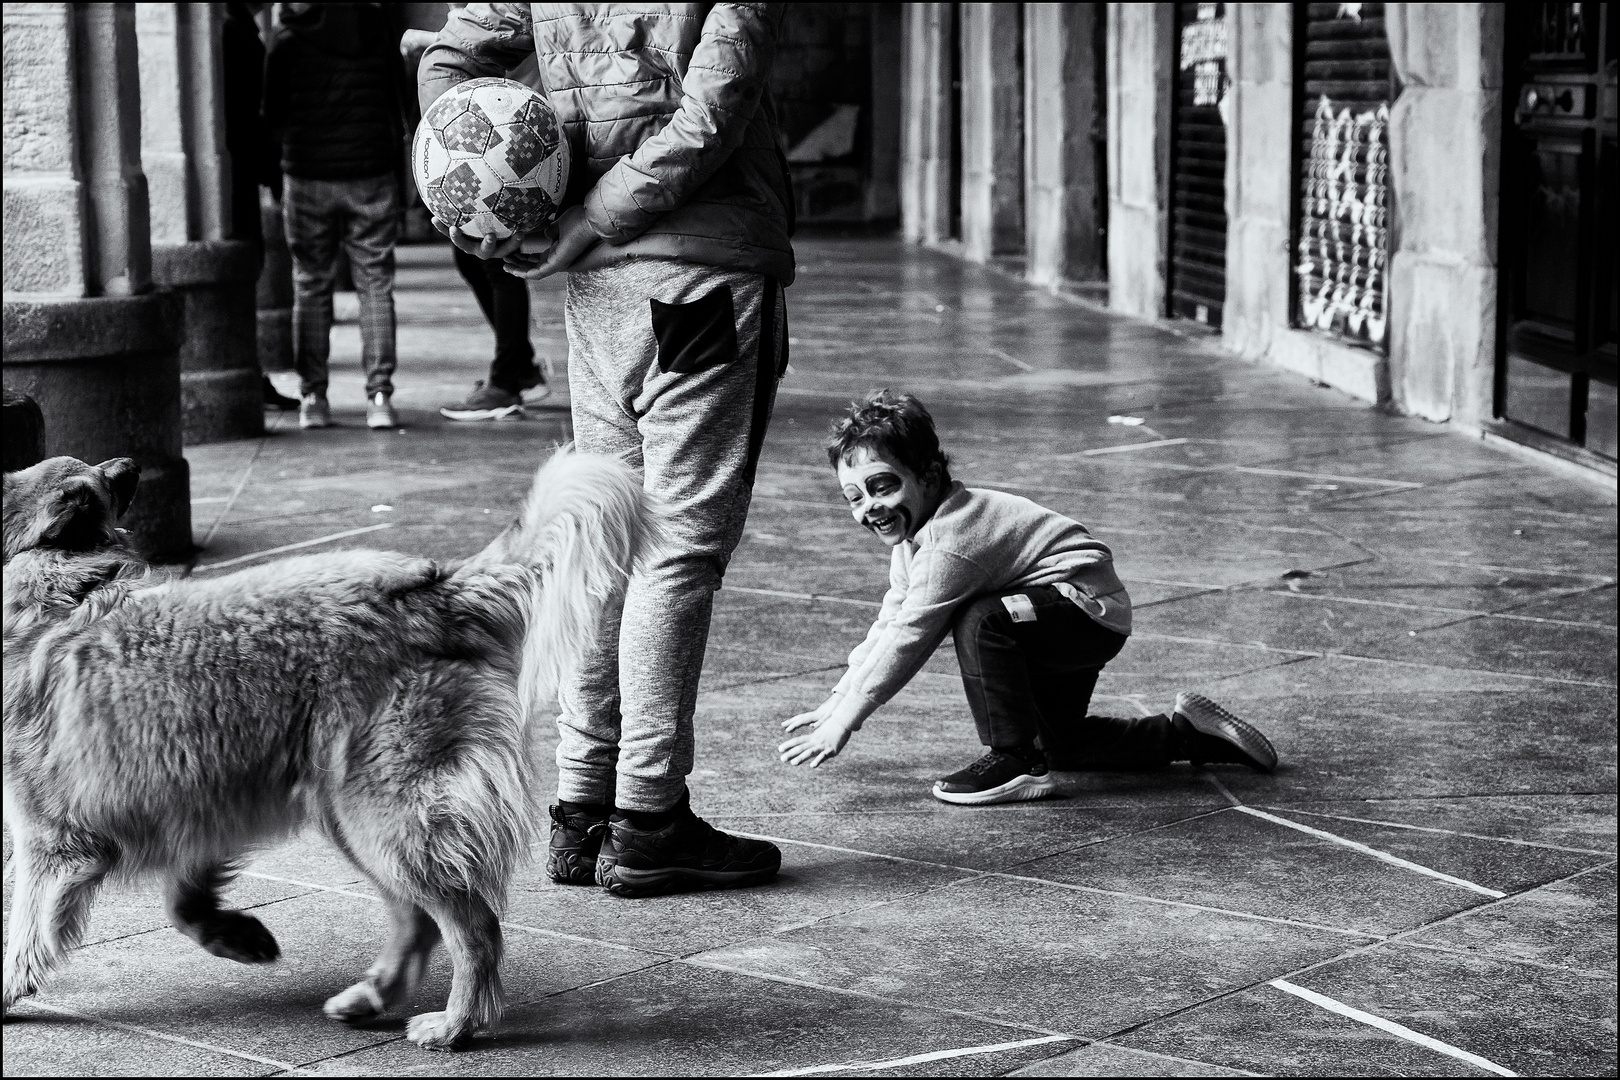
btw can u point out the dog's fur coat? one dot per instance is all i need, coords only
(156, 724)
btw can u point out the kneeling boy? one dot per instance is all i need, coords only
(1036, 610)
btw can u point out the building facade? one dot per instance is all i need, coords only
(1409, 202)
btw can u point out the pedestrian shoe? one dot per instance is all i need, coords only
(997, 778)
(380, 412)
(275, 399)
(684, 854)
(575, 840)
(1211, 735)
(487, 402)
(314, 412)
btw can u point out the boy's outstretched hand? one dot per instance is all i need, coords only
(824, 739)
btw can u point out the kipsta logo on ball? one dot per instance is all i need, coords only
(490, 159)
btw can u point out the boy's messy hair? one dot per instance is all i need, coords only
(894, 425)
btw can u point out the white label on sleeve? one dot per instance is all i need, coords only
(1019, 607)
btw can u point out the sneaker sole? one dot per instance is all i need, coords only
(572, 868)
(1209, 718)
(381, 425)
(1019, 789)
(625, 881)
(514, 411)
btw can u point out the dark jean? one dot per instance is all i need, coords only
(504, 300)
(1029, 683)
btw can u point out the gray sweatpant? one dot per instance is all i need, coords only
(673, 366)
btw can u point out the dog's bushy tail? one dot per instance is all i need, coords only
(585, 523)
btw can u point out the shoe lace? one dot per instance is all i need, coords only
(988, 763)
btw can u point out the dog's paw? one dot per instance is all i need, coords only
(240, 937)
(356, 1005)
(438, 1031)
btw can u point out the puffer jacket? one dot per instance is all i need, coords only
(670, 125)
(332, 93)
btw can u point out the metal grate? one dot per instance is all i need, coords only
(1198, 166)
(1341, 240)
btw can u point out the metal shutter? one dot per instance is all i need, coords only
(1342, 234)
(1198, 166)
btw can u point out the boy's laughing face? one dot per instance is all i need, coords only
(886, 498)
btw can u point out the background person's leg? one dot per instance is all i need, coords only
(514, 369)
(312, 239)
(370, 235)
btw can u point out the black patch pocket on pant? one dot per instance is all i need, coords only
(695, 336)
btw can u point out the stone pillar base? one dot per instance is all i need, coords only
(106, 375)
(275, 291)
(220, 392)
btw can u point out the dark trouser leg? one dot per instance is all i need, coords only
(1035, 677)
(504, 300)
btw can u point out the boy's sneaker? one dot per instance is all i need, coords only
(486, 402)
(575, 840)
(687, 853)
(997, 778)
(380, 412)
(1216, 736)
(314, 412)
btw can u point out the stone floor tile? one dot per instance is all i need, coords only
(1238, 862)
(1550, 650)
(1268, 1032)
(1031, 953)
(1529, 1020)
(1106, 1059)
(1586, 822)
(681, 1020)
(1569, 925)
(43, 1043)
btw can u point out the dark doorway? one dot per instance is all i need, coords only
(1556, 373)
(1198, 166)
(954, 13)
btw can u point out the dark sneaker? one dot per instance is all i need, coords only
(1218, 737)
(486, 402)
(997, 778)
(575, 840)
(275, 399)
(688, 853)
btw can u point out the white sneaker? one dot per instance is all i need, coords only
(380, 412)
(314, 412)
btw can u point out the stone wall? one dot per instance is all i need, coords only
(1140, 58)
(1061, 206)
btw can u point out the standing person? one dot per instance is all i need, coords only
(251, 160)
(675, 235)
(332, 99)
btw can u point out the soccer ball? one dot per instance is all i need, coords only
(490, 158)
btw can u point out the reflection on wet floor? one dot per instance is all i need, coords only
(1424, 626)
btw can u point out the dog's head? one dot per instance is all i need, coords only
(64, 504)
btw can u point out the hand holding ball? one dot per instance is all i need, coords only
(490, 159)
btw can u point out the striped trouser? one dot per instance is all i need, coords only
(363, 216)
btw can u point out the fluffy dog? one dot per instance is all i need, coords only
(158, 724)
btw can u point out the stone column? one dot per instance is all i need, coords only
(188, 173)
(1445, 150)
(85, 336)
(1141, 58)
(1060, 162)
(927, 124)
(992, 132)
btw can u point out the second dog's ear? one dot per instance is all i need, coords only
(122, 477)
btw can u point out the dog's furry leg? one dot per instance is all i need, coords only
(50, 905)
(192, 899)
(472, 937)
(398, 969)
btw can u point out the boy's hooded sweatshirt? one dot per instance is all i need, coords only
(978, 541)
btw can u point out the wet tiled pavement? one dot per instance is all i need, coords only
(1424, 626)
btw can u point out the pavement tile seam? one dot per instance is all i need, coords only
(1362, 496)
(922, 1059)
(1444, 832)
(1467, 613)
(153, 1033)
(236, 493)
(1452, 950)
(252, 556)
(1133, 1051)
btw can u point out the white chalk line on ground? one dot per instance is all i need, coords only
(1446, 832)
(153, 1033)
(1013, 360)
(291, 547)
(1398, 1030)
(920, 1059)
(1381, 856)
